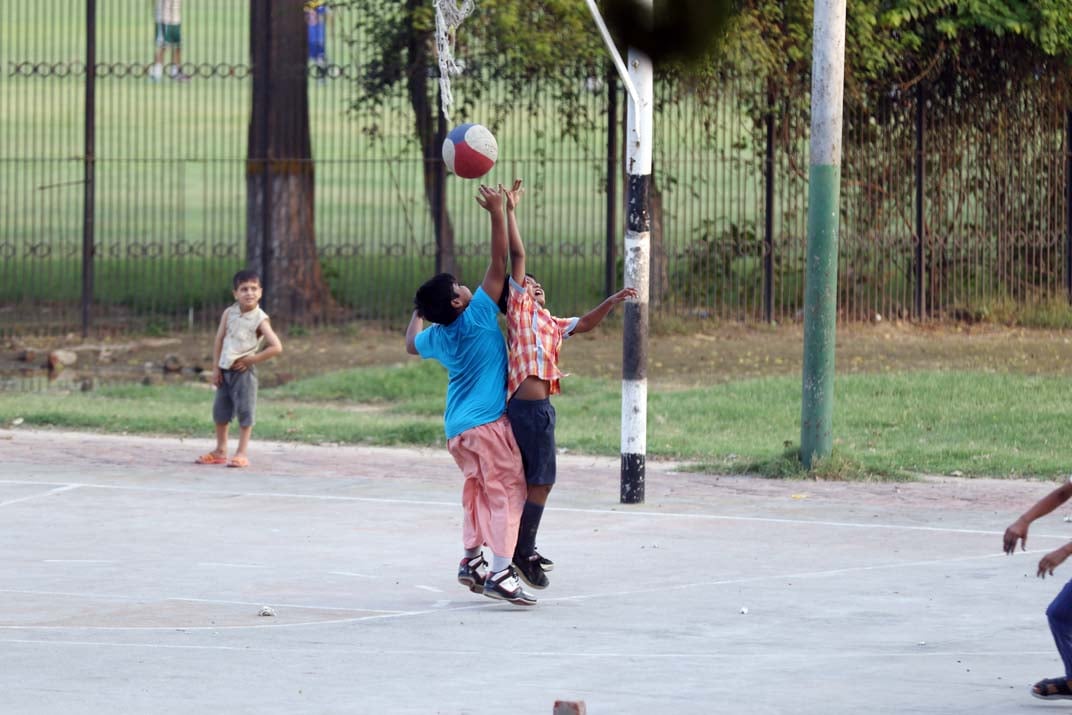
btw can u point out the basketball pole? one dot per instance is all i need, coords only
(824, 194)
(638, 77)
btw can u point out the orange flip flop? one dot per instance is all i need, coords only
(238, 462)
(211, 458)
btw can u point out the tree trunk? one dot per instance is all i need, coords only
(658, 274)
(280, 226)
(432, 130)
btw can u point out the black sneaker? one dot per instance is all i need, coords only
(528, 568)
(505, 587)
(545, 563)
(472, 572)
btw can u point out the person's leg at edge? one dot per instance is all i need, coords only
(1059, 614)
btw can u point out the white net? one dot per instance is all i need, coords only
(449, 15)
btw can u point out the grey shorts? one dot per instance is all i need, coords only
(533, 422)
(236, 397)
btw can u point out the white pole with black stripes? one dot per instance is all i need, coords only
(637, 256)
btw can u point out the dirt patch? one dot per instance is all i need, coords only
(699, 355)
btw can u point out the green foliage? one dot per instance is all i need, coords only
(891, 45)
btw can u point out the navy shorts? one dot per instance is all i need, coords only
(236, 397)
(533, 422)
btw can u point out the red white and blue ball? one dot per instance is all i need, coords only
(470, 150)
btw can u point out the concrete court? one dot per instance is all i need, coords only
(132, 582)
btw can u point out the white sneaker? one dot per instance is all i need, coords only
(156, 72)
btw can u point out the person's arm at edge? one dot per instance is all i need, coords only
(416, 325)
(491, 200)
(595, 316)
(1017, 532)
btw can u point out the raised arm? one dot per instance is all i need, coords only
(491, 200)
(517, 248)
(595, 316)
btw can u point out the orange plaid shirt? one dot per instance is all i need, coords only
(533, 339)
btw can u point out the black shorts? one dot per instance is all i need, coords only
(533, 422)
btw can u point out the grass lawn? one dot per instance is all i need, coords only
(890, 425)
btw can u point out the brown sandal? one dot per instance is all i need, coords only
(1052, 689)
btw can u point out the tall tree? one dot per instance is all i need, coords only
(280, 227)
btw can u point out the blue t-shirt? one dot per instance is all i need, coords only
(474, 352)
(316, 12)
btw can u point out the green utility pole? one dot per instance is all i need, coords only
(824, 190)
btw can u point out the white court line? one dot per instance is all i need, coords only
(231, 566)
(594, 655)
(347, 573)
(78, 561)
(164, 599)
(572, 510)
(438, 608)
(64, 488)
(273, 604)
(386, 615)
(799, 575)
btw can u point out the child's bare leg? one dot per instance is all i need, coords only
(244, 434)
(221, 440)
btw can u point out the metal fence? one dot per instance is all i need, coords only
(162, 226)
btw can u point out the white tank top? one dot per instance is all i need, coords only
(241, 339)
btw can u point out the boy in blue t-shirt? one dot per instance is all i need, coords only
(467, 341)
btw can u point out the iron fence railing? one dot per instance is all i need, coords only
(937, 220)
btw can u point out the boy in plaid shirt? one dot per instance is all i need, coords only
(534, 338)
(465, 338)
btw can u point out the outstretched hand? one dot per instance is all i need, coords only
(514, 194)
(490, 199)
(1051, 561)
(623, 295)
(1015, 533)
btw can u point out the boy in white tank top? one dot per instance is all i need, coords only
(245, 338)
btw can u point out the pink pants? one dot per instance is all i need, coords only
(493, 495)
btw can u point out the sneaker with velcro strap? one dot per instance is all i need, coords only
(505, 586)
(472, 572)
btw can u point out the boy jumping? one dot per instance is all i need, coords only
(466, 340)
(534, 338)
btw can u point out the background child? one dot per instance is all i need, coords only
(168, 34)
(534, 338)
(467, 341)
(1059, 612)
(244, 329)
